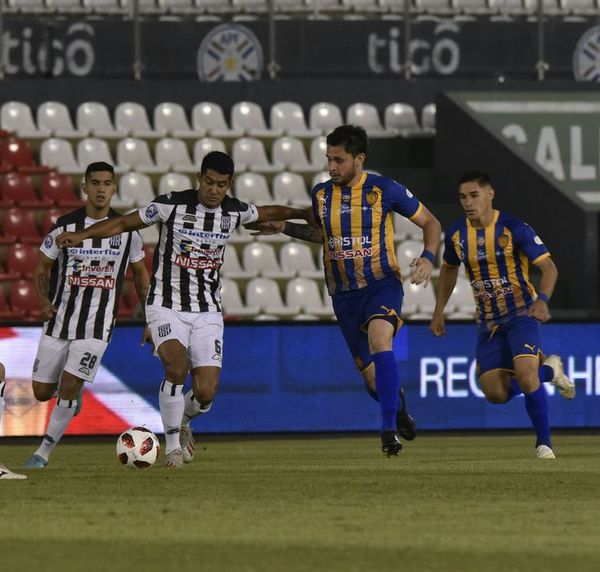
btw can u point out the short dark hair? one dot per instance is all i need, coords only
(99, 166)
(351, 137)
(217, 161)
(476, 176)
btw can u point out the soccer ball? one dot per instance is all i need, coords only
(137, 448)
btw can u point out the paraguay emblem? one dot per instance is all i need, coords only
(586, 58)
(230, 52)
(115, 241)
(371, 198)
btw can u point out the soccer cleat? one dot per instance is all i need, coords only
(174, 459)
(35, 462)
(188, 445)
(564, 385)
(7, 474)
(544, 452)
(405, 424)
(390, 444)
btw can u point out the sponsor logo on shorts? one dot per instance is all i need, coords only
(92, 282)
(197, 263)
(36, 365)
(530, 348)
(84, 370)
(164, 330)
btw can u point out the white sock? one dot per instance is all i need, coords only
(2, 386)
(193, 407)
(60, 418)
(172, 404)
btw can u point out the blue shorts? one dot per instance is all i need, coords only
(354, 310)
(498, 348)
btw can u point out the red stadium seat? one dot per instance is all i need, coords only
(128, 301)
(21, 258)
(6, 312)
(19, 226)
(59, 188)
(15, 154)
(19, 189)
(23, 299)
(6, 276)
(149, 258)
(50, 218)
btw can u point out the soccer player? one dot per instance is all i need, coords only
(496, 249)
(183, 308)
(5, 472)
(78, 288)
(352, 216)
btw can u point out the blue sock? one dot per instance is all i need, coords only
(546, 373)
(387, 383)
(537, 409)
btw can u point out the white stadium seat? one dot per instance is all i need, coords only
(249, 117)
(260, 257)
(304, 293)
(92, 149)
(289, 117)
(204, 146)
(93, 117)
(173, 154)
(210, 117)
(401, 118)
(418, 298)
(58, 154)
(170, 182)
(265, 293)
(290, 188)
(232, 301)
(325, 117)
(134, 154)
(170, 116)
(16, 116)
(249, 153)
(406, 252)
(138, 187)
(54, 116)
(133, 119)
(252, 188)
(297, 257)
(289, 152)
(367, 116)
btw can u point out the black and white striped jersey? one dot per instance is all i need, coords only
(86, 280)
(189, 254)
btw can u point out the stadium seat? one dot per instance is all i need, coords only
(367, 116)
(94, 118)
(19, 225)
(105, 7)
(170, 117)
(6, 312)
(180, 7)
(149, 7)
(418, 298)
(461, 299)
(149, 250)
(91, 149)
(68, 7)
(58, 154)
(241, 236)
(134, 154)
(173, 154)
(264, 294)
(54, 117)
(290, 188)
(288, 117)
(232, 300)
(49, 219)
(26, 6)
(428, 118)
(402, 119)
(16, 154)
(18, 188)
(473, 7)
(233, 269)
(321, 177)
(363, 6)
(24, 299)
(249, 153)
(325, 117)
(210, 117)
(170, 182)
(252, 188)
(318, 151)
(204, 146)
(16, 116)
(59, 189)
(289, 152)
(21, 259)
(249, 117)
(406, 252)
(438, 7)
(137, 187)
(405, 228)
(297, 257)
(260, 257)
(583, 7)
(132, 118)
(304, 293)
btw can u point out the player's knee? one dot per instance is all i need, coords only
(379, 343)
(497, 399)
(69, 388)
(175, 372)
(43, 391)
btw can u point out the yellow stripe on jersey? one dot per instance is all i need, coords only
(357, 230)
(490, 251)
(320, 196)
(539, 258)
(525, 270)
(417, 213)
(474, 263)
(376, 214)
(389, 244)
(512, 270)
(457, 247)
(335, 220)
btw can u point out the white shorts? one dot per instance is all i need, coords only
(78, 357)
(201, 333)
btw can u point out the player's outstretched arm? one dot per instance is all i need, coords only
(308, 232)
(103, 229)
(422, 267)
(278, 212)
(446, 283)
(539, 309)
(41, 284)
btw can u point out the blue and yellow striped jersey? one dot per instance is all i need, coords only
(497, 260)
(358, 230)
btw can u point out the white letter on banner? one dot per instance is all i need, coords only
(374, 43)
(435, 377)
(597, 385)
(579, 171)
(547, 154)
(473, 380)
(515, 132)
(454, 375)
(585, 375)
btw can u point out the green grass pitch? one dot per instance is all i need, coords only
(448, 503)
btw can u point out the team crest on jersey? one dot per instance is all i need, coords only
(371, 198)
(503, 241)
(48, 241)
(189, 218)
(151, 212)
(225, 223)
(115, 241)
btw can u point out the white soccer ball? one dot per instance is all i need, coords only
(137, 448)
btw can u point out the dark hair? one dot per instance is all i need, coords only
(351, 137)
(476, 176)
(99, 166)
(217, 161)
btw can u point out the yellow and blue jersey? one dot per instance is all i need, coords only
(358, 230)
(497, 260)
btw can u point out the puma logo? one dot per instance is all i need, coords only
(530, 348)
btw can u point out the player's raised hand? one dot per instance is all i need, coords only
(47, 311)
(68, 239)
(437, 326)
(269, 227)
(539, 311)
(420, 271)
